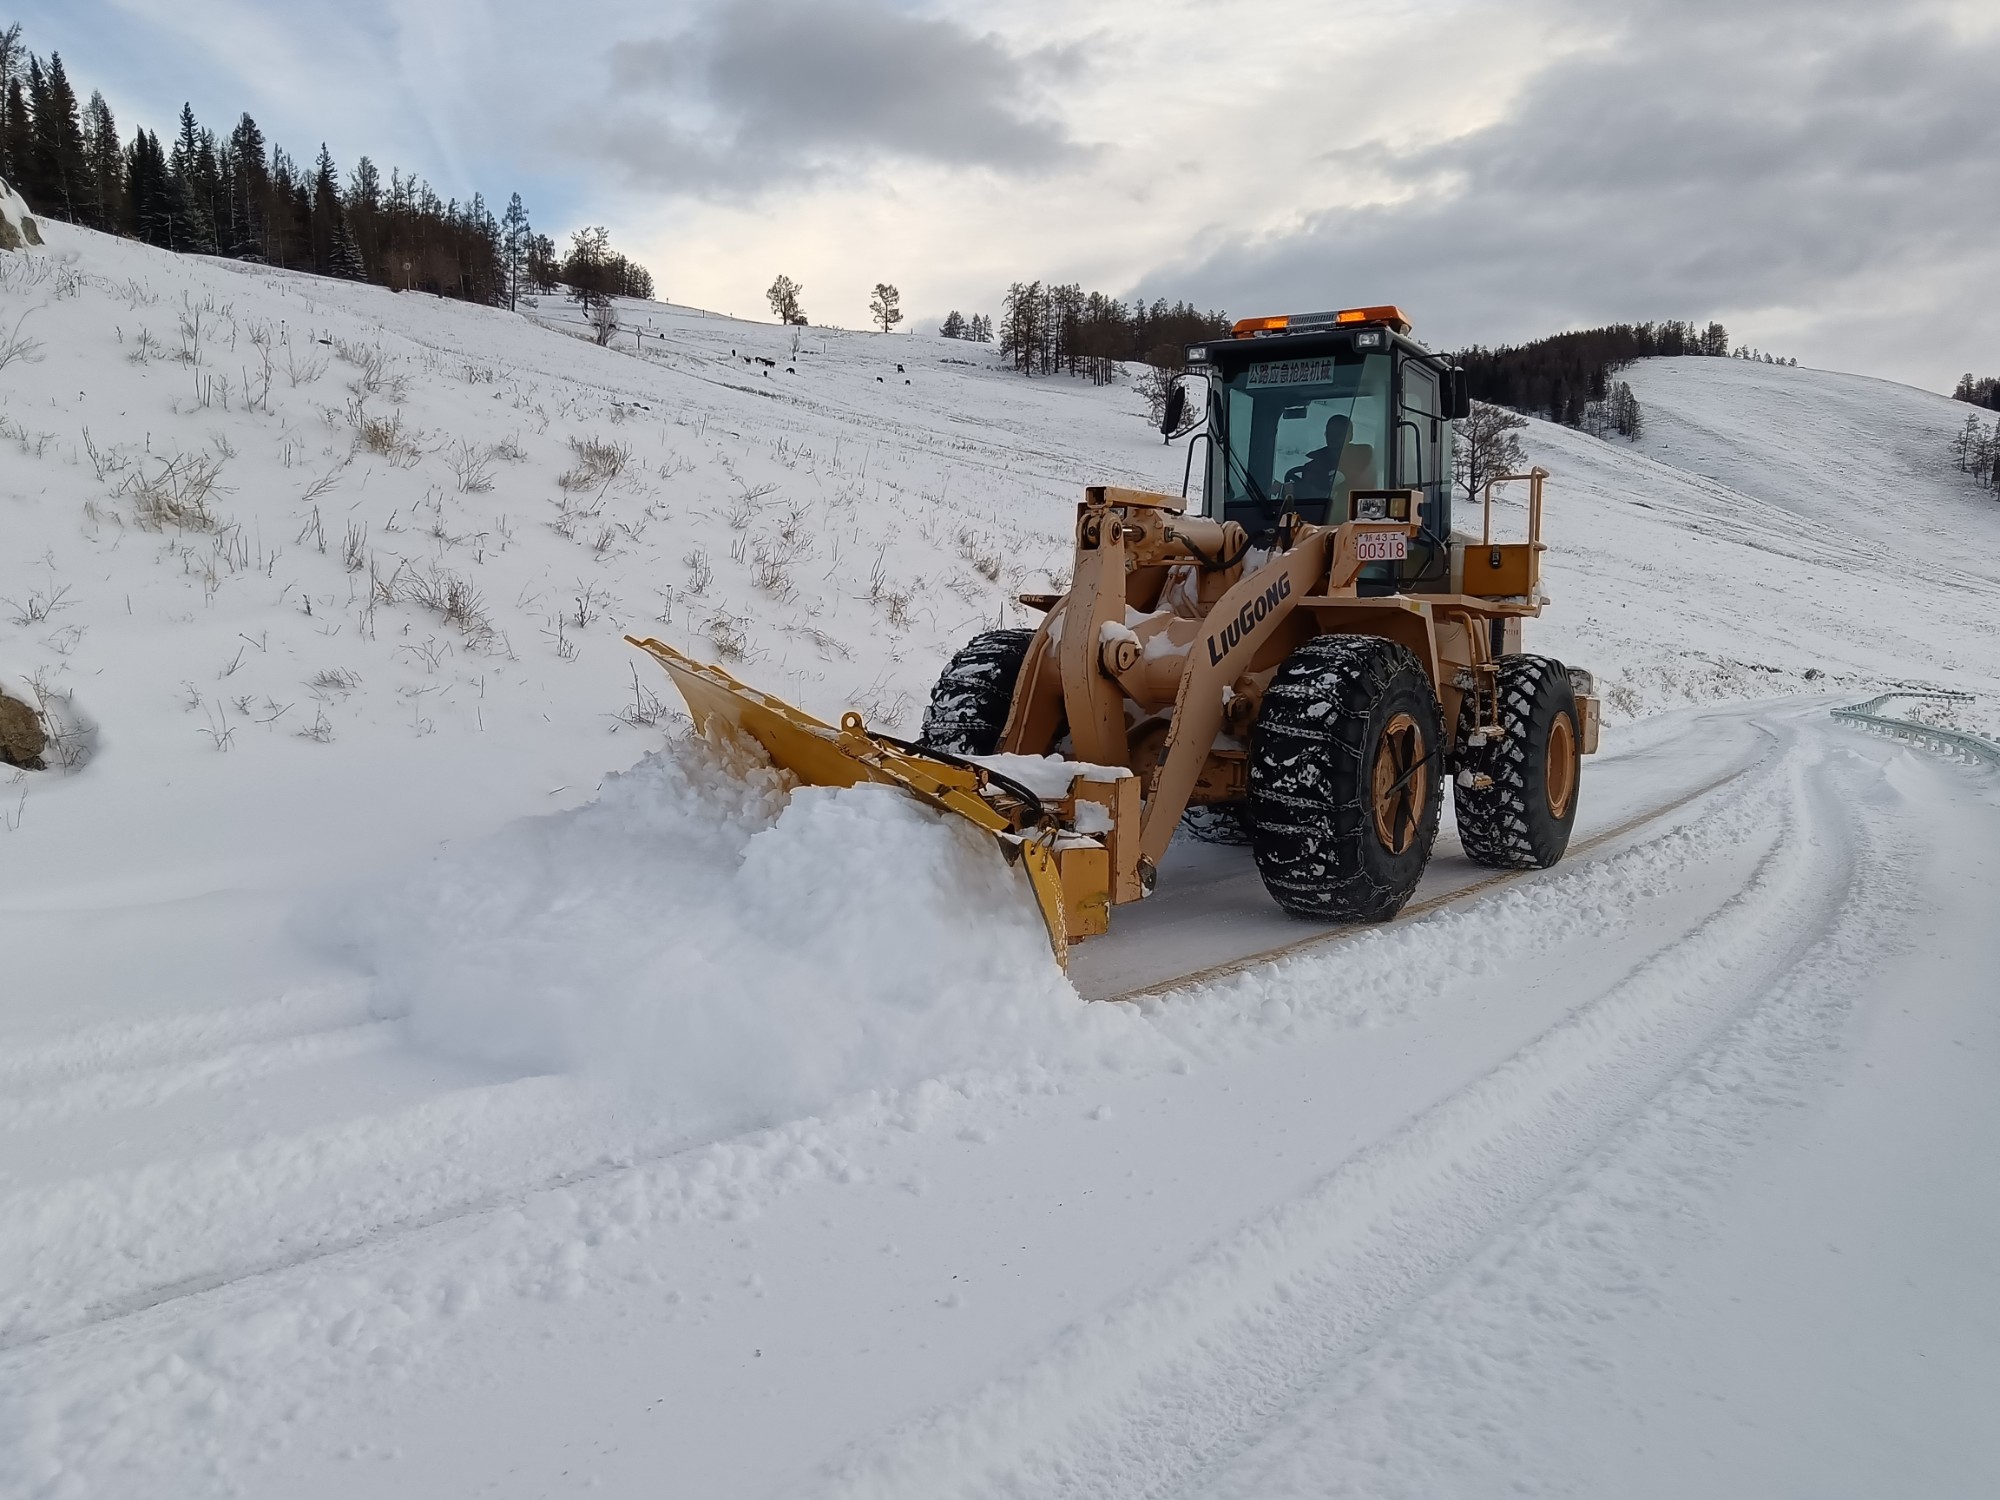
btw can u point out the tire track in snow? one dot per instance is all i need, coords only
(103, 1091)
(1582, 1253)
(1145, 1398)
(129, 1046)
(1417, 910)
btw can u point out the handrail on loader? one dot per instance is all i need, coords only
(1534, 476)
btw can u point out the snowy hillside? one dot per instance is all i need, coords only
(363, 1131)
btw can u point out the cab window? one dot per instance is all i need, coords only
(1299, 435)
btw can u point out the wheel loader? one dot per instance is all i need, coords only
(1300, 657)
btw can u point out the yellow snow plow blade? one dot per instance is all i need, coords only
(820, 755)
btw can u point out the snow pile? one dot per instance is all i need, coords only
(730, 948)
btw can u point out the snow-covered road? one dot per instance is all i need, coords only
(1211, 914)
(1568, 1184)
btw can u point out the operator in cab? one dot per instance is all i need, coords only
(1331, 472)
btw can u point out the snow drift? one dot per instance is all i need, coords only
(730, 945)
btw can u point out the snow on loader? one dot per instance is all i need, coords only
(1298, 665)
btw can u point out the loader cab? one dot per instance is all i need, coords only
(1305, 410)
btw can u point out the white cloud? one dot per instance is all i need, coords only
(1502, 167)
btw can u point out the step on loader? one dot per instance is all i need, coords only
(1298, 660)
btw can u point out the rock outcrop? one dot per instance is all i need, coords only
(18, 228)
(22, 738)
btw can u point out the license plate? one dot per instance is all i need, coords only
(1390, 546)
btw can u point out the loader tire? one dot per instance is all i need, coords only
(969, 705)
(1218, 823)
(1515, 796)
(1346, 779)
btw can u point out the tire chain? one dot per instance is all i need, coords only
(1218, 823)
(1493, 820)
(969, 705)
(1310, 723)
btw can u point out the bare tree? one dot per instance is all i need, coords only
(603, 322)
(1487, 447)
(783, 295)
(1164, 364)
(886, 306)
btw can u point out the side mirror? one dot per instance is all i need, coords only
(1170, 421)
(1458, 400)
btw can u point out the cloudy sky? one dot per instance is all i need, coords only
(1823, 175)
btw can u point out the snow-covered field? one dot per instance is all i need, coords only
(426, 1072)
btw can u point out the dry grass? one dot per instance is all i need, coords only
(700, 573)
(41, 604)
(334, 680)
(894, 602)
(729, 636)
(982, 552)
(18, 348)
(372, 367)
(597, 463)
(178, 493)
(385, 436)
(471, 467)
(454, 600)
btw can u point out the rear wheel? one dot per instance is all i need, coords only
(969, 705)
(1218, 823)
(1515, 797)
(1346, 779)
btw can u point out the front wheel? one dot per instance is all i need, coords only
(1516, 791)
(1346, 779)
(969, 705)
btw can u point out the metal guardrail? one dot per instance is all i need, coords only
(1953, 742)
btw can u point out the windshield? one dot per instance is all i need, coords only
(1299, 434)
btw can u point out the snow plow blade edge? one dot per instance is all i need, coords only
(821, 755)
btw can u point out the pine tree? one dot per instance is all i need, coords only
(282, 220)
(202, 193)
(104, 167)
(516, 234)
(543, 267)
(249, 190)
(366, 216)
(344, 259)
(17, 133)
(885, 307)
(586, 270)
(1966, 445)
(953, 326)
(149, 191)
(211, 194)
(1021, 325)
(326, 214)
(36, 168)
(59, 139)
(1626, 419)
(980, 329)
(192, 230)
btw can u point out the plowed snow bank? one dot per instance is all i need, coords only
(698, 932)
